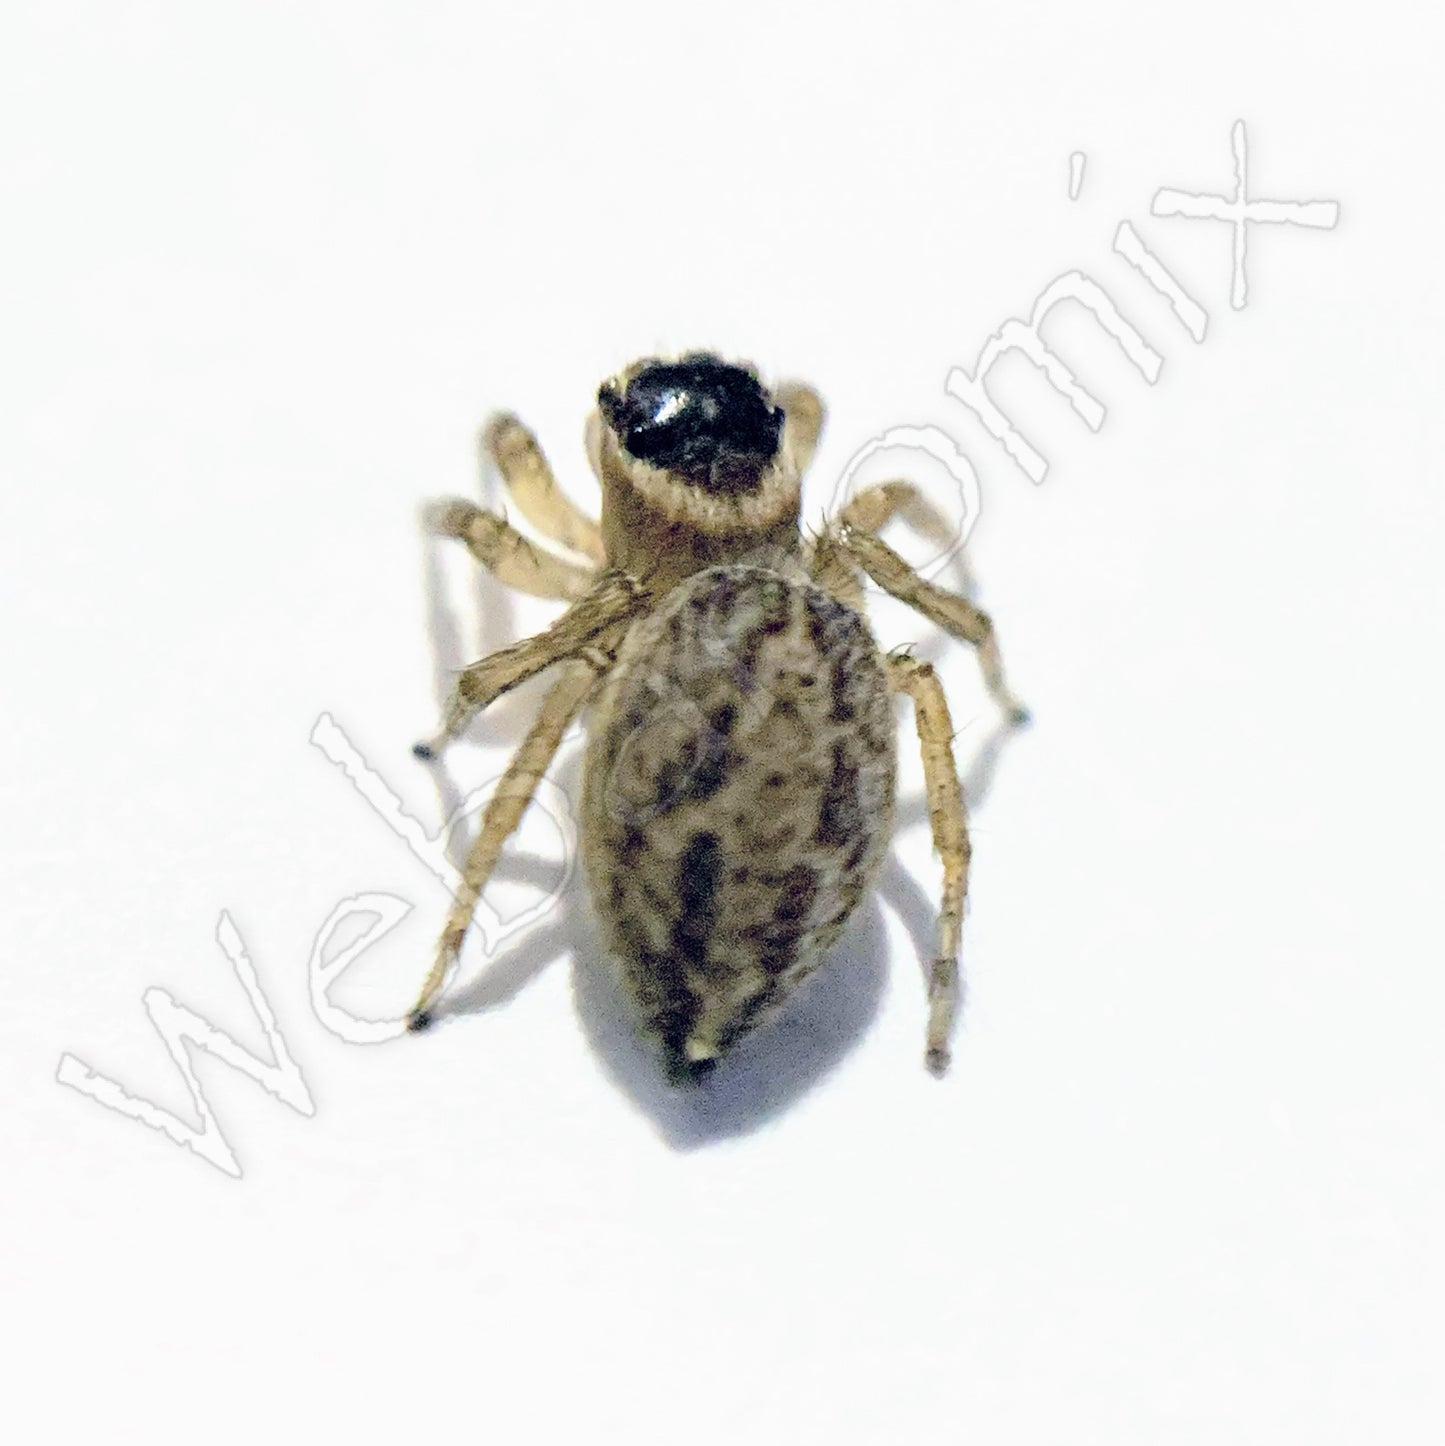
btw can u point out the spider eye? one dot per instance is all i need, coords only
(700, 418)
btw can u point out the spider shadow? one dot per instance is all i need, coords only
(768, 1071)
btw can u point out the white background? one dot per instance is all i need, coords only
(264, 269)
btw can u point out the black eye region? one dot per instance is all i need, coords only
(700, 418)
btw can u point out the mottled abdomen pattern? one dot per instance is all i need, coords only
(739, 798)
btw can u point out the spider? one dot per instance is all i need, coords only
(740, 764)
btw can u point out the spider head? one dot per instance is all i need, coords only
(699, 462)
(704, 420)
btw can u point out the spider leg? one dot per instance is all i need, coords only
(949, 823)
(873, 507)
(500, 548)
(503, 813)
(871, 510)
(804, 412)
(954, 614)
(612, 599)
(833, 569)
(532, 486)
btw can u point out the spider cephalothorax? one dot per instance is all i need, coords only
(739, 777)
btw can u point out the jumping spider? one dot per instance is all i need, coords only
(739, 773)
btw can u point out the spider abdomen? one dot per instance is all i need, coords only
(739, 793)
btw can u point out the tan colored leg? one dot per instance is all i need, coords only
(592, 443)
(873, 507)
(613, 598)
(511, 557)
(949, 822)
(500, 548)
(804, 414)
(503, 813)
(532, 486)
(833, 569)
(956, 615)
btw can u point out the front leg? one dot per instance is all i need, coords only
(805, 414)
(509, 556)
(531, 485)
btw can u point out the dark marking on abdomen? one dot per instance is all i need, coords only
(698, 871)
(840, 820)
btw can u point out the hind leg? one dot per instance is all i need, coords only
(949, 823)
(503, 813)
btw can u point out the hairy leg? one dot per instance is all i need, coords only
(612, 600)
(503, 813)
(805, 414)
(532, 486)
(500, 548)
(873, 507)
(950, 838)
(833, 569)
(955, 614)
